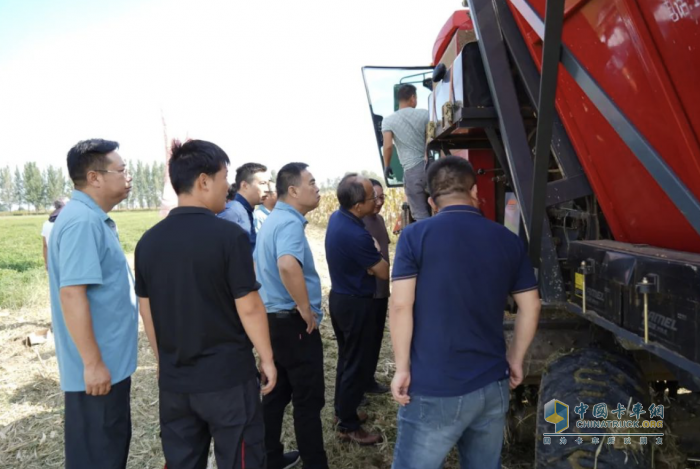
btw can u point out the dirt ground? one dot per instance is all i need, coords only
(31, 403)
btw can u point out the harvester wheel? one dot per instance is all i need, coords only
(591, 376)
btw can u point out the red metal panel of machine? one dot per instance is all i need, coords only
(675, 28)
(459, 20)
(644, 55)
(486, 187)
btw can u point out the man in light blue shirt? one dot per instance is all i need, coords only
(291, 291)
(251, 182)
(93, 308)
(263, 210)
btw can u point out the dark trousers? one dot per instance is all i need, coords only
(98, 428)
(299, 362)
(233, 417)
(354, 330)
(379, 307)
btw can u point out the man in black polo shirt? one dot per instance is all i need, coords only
(201, 310)
(451, 279)
(354, 261)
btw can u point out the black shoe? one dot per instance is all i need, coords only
(376, 388)
(361, 437)
(290, 459)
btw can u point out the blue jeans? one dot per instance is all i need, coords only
(430, 426)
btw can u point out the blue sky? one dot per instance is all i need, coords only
(271, 82)
(27, 23)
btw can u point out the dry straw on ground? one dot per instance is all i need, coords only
(31, 404)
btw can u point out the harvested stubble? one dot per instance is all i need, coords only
(31, 404)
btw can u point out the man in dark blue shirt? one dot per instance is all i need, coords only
(251, 182)
(451, 279)
(354, 263)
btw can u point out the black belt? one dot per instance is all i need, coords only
(284, 314)
(370, 296)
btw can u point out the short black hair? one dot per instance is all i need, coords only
(406, 92)
(351, 191)
(190, 159)
(375, 183)
(231, 194)
(450, 175)
(88, 155)
(289, 175)
(246, 172)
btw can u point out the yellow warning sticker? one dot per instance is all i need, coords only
(578, 284)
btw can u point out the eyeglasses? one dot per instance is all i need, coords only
(381, 197)
(124, 172)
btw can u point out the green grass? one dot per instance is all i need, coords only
(23, 280)
(20, 243)
(132, 225)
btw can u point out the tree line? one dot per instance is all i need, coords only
(33, 189)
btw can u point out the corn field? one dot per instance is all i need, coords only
(391, 211)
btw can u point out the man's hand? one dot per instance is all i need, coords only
(309, 317)
(98, 381)
(516, 373)
(399, 387)
(268, 377)
(401, 328)
(293, 280)
(526, 322)
(388, 172)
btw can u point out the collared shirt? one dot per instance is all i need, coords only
(259, 216)
(283, 234)
(240, 212)
(466, 266)
(84, 249)
(377, 228)
(350, 252)
(192, 267)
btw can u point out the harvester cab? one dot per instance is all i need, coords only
(382, 85)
